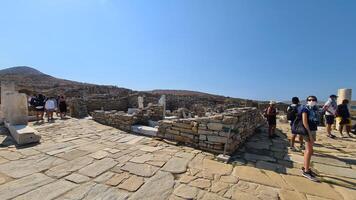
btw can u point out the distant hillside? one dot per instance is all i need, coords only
(20, 71)
(182, 93)
(32, 81)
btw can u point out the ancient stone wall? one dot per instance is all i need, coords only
(107, 104)
(124, 121)
(212, 133)
(117, 119)
(77, 108)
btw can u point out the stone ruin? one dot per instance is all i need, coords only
(221, 133)
(125, 121)
(216, 132)
(77, 108)
(14, 114)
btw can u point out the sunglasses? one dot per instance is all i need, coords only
(311, 99)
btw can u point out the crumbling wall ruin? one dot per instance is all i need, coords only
(232, 127)
(124, 121)
(77, 108)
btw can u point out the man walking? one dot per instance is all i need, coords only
(330, 108)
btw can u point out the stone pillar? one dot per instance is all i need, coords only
(140, 102)
(162, 102)
(342, 95)
(16, 108)
(5, 87)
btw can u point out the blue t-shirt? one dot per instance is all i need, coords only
(313, 117)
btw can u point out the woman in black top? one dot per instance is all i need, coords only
(62, 107)
(345, 118)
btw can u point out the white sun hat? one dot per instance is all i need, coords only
(272, 102)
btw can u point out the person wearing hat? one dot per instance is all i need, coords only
(330, 108)
(271, 115)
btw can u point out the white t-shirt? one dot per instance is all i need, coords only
(330, 107)
(50, 105)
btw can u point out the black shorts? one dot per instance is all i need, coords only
(272, 121)
(329, 119)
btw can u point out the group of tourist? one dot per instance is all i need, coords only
(304, 121)
(49, 105)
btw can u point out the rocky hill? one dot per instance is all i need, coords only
(31, 81)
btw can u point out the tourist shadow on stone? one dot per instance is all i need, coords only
(261, 152)
(38, 123)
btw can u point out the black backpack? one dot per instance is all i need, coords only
(292, 112)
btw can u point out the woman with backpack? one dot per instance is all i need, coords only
(39, 103)
(310, 120)
(292, 113)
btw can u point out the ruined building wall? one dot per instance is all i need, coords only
(115, 119)
(107, 104)
(124, 121)
(211, 133)
(77, 108)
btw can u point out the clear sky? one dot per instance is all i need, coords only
(257, 49)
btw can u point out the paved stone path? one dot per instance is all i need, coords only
(81, 159)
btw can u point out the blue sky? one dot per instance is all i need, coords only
(257, 49)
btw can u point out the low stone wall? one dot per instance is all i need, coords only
(124, 121)
(77, 108)
(120, 120)
(212, 133)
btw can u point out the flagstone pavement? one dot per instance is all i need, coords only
(81, 159)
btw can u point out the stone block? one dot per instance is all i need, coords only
(215, 126)
(212, 138)
(23, 134)
(174, 132)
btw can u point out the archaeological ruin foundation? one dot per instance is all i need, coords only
(216, 132)
(213, 124)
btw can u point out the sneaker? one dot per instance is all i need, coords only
(310, 175)
(315, 174)
(331, 136)
(293, 149)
